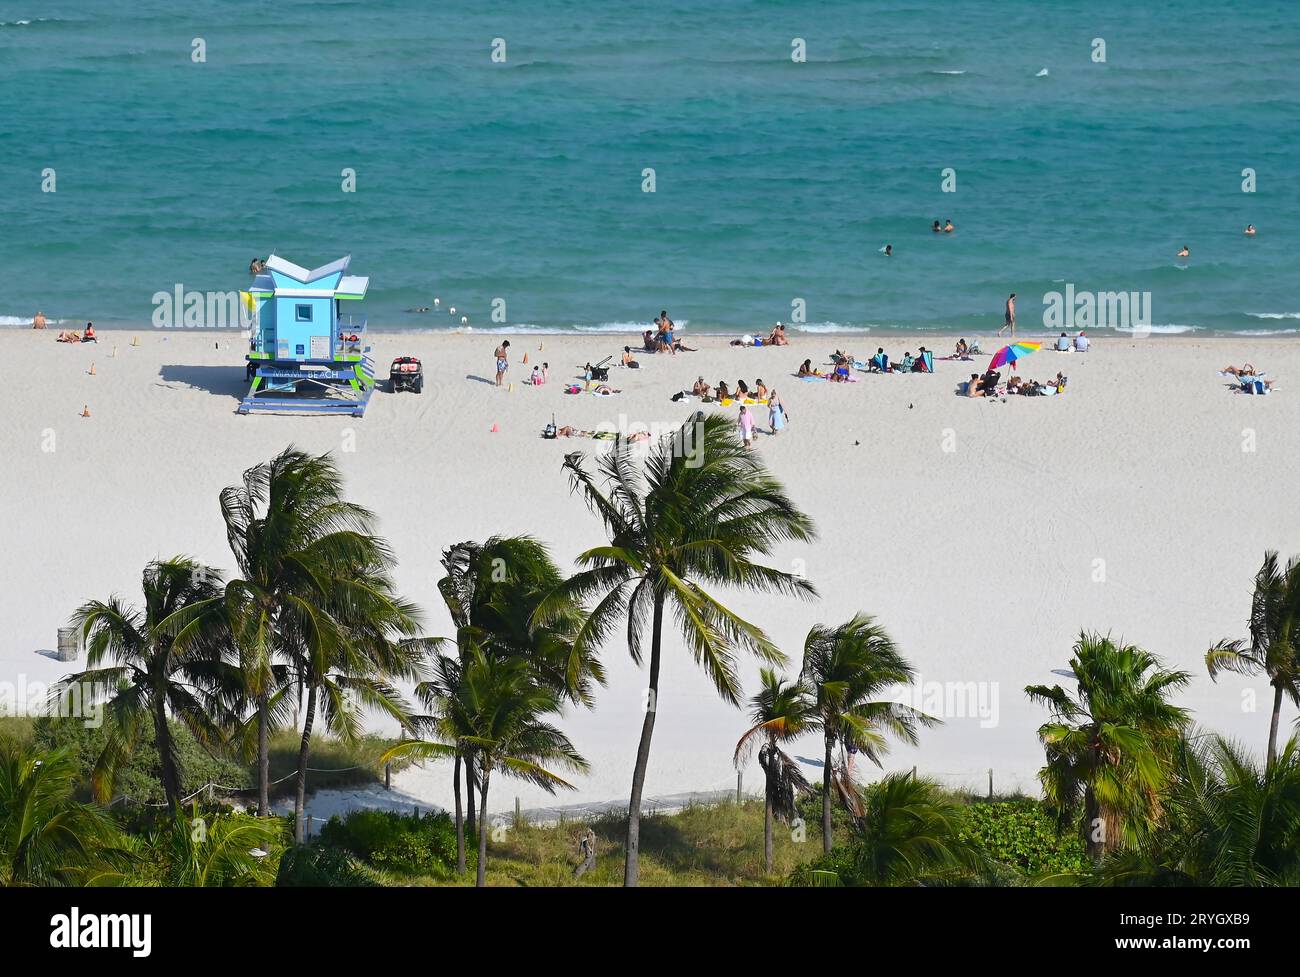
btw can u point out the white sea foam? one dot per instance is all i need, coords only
(1274, 315)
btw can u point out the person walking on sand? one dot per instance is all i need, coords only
(1009, 321)
(503, 361)
(775, 412)
(38, 322)
(746, 424)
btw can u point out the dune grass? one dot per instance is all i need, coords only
(699, 845)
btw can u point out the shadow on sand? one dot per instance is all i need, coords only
(220, 381)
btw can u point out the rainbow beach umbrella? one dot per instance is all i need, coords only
(1008, 355)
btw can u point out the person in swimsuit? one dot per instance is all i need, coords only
(39, 321)
(937, 228)
(1009, 321)
(503, 361)
(1185, 253)
(947, 226)
(1250, 230)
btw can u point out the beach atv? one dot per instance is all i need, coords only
(406, 373)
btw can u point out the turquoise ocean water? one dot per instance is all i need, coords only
(775, 180)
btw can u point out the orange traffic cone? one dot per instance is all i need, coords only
(525, 359)
(494, 430)
(85, 410)
(92, 368)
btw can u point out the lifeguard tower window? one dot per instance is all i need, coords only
(302, 313)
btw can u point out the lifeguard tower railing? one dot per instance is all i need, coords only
(309, 388)
(351, 340)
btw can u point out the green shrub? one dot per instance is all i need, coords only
(1022, 834)
(139, 779)
(399, 842)
(320, 866)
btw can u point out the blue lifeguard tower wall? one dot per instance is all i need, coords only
(298, 318)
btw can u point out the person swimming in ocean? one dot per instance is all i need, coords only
(1250, 230)
(947, 226)
(938, 229)
(1185, 253)
(889, 250)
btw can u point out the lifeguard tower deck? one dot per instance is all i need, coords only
(305, 356)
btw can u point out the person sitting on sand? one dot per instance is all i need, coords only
(1013, 385)
(69, 336)
(908, 362)
(627, 360)
(973, 386)
(1063, 343)
(806, 369)
(777, 336)
(1081, 343)
(535, 378)
(962, 349)
(880, 362)
(989, 383)
(723, 392)
(648, 341)
(760, 389)
(742, 388)
(38, 321)
(1185, 253)
(1060, 381)
(1250, 230)
(701, 389)
(89, 335)
(920, 365)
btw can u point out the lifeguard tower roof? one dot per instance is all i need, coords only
(285, 278)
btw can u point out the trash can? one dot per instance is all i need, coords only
(69, 644)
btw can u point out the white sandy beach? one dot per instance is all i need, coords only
(973, 529)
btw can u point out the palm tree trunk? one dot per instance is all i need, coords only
(826, 797)
(300, 798)
(481, 880)
(632, 867)
(1101, 827)
(1272, 725)
(263, 756)
(460, 821)
(768, 852)
(470, 791)
(170, 776)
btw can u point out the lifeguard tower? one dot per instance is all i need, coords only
(304, 355)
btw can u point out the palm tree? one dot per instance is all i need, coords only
(781, 711)
(506, 596)
(1229, 821)
(369, 648)
(47, 838)
(1274, 646)
(497, 706)
(165, 658)
(848, 669)
(694, 517)
(212, 849)
(1111, 745)
(295, 542)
